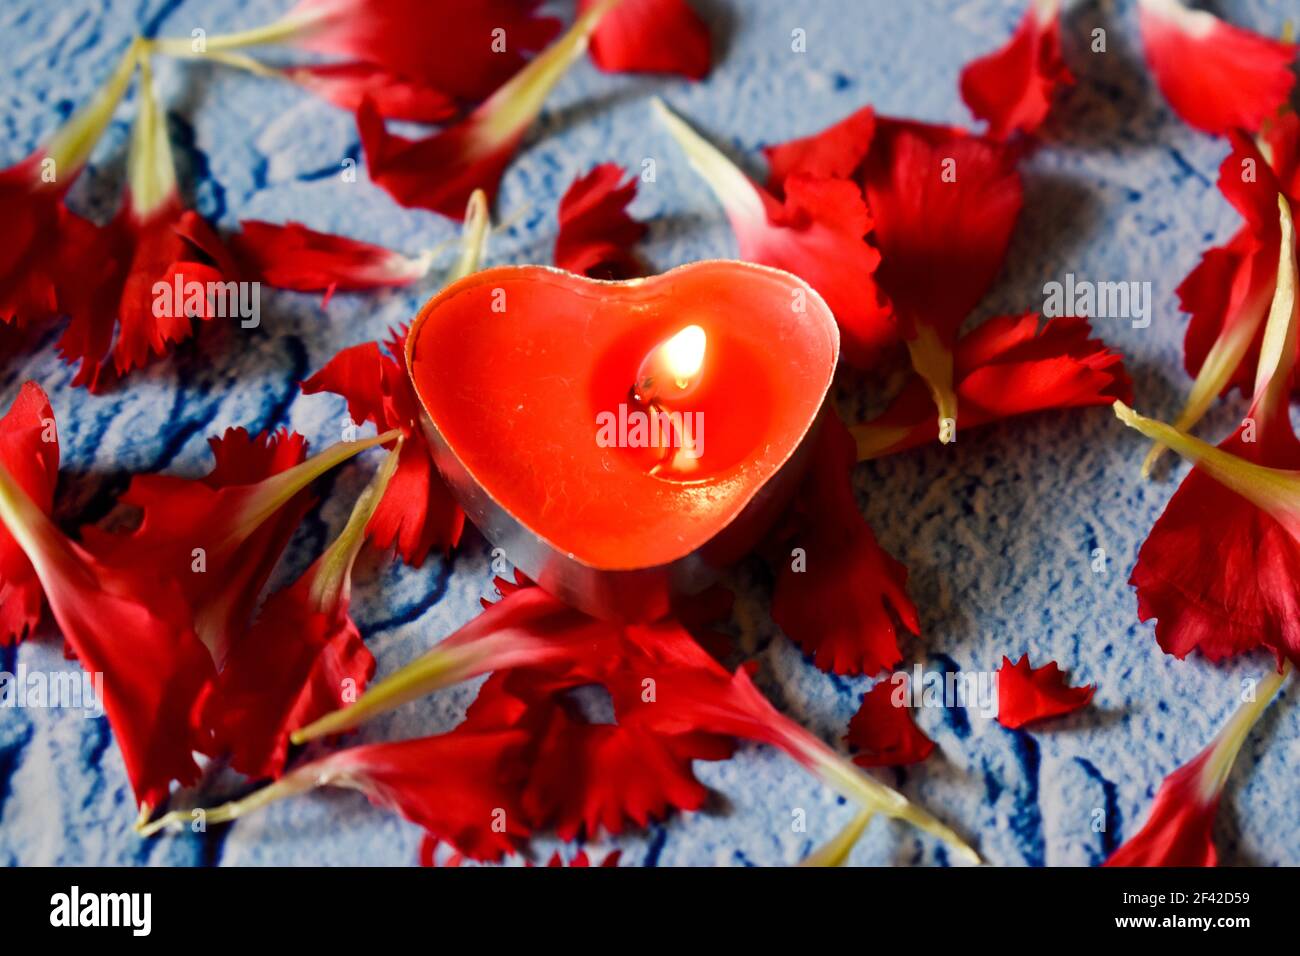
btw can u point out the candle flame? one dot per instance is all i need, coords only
(683, 354)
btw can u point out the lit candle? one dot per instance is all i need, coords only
(622, 442)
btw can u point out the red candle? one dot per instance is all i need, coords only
(623, 441)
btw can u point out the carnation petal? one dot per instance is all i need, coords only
(1216, 76)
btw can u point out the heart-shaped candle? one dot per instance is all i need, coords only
(623, 441)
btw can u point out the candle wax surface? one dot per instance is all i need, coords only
(519, 367)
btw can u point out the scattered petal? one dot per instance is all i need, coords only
(29, 452)
(942, 204)
(1005, 367)
(1179, 829)
(143, 279)
(1012, 87)
(945, 204)
(818, 233)
(526, 628)
(348, 85)
(219, 537)
(1028, 694)
(839, 599)
(1227, 294)
(291, 256)
(1240, 503)
(461, 787)
(596, 234)
(1216, 76)
(836, 152)
(585, 776)
(131, 628)
(884, 732)
(652, 36)
(44, 238)
(418, 513)
(302, 658)
(440, 172)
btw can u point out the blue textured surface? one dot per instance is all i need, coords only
(997, 531)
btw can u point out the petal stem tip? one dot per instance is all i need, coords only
(433, 671)
(332, 582)
(473, 237)
(835, 852)
(512, 108)
(1227, 744)
(739, 197)
(869, 793)
(72, 145)
(273, 492)
(291, 784)
(933, 361)
(151, 170)
(280, 31)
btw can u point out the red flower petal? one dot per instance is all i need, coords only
(1226, 295)
(29, 451)
(302, 659)
(704, 698)
(1245, 599)
(1238, 602)
(118, 323)
(1228, 292)
(885, 732)
(350, 84)
(584, 777)
(462, 787)
(836, 152)
(34, 217)
(944, 203)
(1179, 830)
(197, 531)
(440, 172)
(41, 254)
(1215, 76)
(131, 627)
(295, 257)
(1005, 367)
(437, 173)
(1011, 88)
(652, 36)
(588, 777)
(1027, 694)
(596, 233)
(293, 666)
(580, 859)
(819, 234)
(417, 512)
(1237, 504)
(841, 608)
(478, 45)
(428, 851)
(672, 703)
(1180, 827)
(1281, 141)
(526, 628)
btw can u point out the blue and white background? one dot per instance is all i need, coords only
(998, 531)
